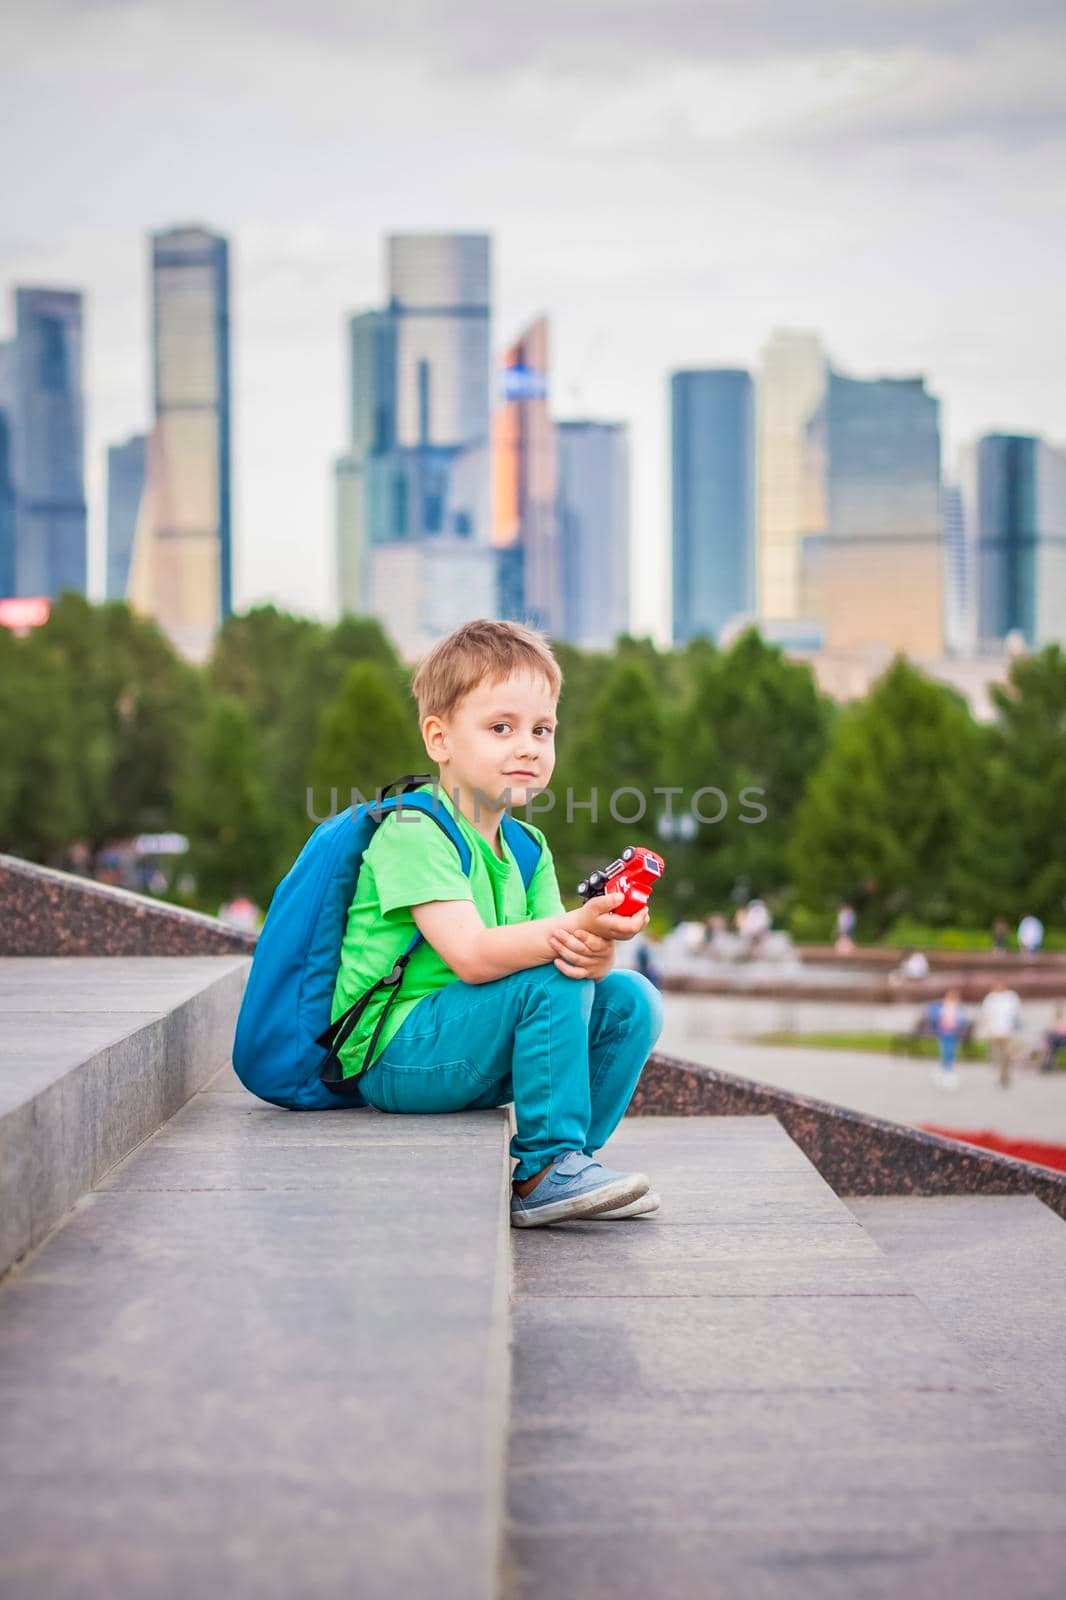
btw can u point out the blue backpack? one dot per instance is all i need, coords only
(286, 1048)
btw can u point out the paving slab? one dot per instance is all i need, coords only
(267, 1357)
(94, 1055)
(992, 1270)
(740, 1396)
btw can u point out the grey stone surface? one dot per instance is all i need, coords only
(992, 1270)
(740, 1396)
(94, 1056)
(267, 1357)
(702, 1562)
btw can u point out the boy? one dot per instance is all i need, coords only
(509, 997)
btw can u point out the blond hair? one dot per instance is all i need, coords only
(479, 652)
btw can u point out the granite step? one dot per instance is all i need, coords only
(267, 1358)
(95, 1055)
(992, 1270)
(740, 1396)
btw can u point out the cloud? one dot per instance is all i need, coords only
(670, 75)
(594, 37)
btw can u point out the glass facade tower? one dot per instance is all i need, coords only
(125, 493)
(881, 573)
(439, 296)
(960, 615)
(594, 532)
(46, 442)
(713, 492)
(525, 484)
(7, 470)
(418, 465)
(1020, 510)
(791, 387)
(182, 561)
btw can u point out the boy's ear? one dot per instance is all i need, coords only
(434, 738)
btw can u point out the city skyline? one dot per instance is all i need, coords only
(667, 191)
(891, 489)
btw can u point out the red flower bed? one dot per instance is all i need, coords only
(1046, 1155)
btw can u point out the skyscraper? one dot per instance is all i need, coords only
(372, 383)
(960, 587)
(371, 434)
(46, 438)
(417, 468)
(7, 470)
(791, 386)
(181, 572)
(125, 493)
(525, 483)
(881, 579)
(440, 300)
(594, 531)
(1017, 497)
(713, 484)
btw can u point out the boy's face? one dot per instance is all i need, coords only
(500, 736)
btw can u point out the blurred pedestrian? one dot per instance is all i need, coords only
(845, 941)
(1000, 935)
(756, 926)
(1054, 1039)
(999, 1022)
(643, 959)
(948, 1022)
(912, 969)
(1030, 934)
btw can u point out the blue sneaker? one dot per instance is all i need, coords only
(576, 1186)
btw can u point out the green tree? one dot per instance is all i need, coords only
(620, 744)
(754, 726)
(136, 705)
(288, 670)
(41, 804)
(367, 737)
(884, 813)
(1013, 858)
(253, 658)
(224, 807)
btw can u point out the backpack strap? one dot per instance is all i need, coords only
(524, 846)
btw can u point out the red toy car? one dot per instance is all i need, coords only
(634, 874)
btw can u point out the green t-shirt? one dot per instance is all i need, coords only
(411, 860)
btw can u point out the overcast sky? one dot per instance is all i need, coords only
(668, 180)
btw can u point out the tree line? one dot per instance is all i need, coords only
(902, 802)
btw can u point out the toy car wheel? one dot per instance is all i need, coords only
(628, 853)
(595, 879)
(583, 886)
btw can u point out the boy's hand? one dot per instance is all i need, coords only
(580, 954)
(597, 916)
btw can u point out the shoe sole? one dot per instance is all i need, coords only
(636, 1208)
(608, 1198)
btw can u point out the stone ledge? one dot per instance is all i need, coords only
(94, 1057)
(855, 1153)
(48, 913)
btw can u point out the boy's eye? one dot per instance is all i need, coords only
(542, 727)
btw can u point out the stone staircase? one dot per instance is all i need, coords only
(293, 1356)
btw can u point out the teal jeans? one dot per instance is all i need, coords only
(567, 1051)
